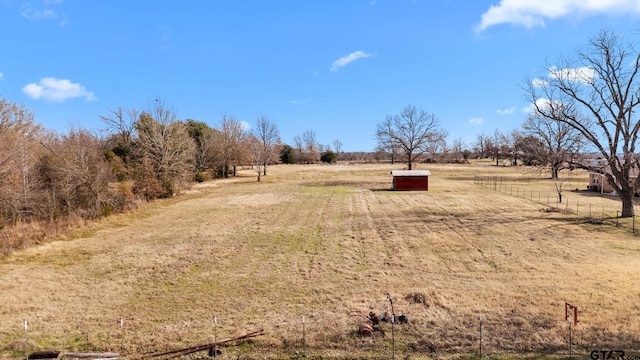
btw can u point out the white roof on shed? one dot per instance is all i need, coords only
(410, 172)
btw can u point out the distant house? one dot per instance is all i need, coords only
(598, 182)
(409, 180)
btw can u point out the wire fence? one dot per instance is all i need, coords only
(585, 205)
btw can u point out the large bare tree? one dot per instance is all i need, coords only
(412, 132)
(598, 94)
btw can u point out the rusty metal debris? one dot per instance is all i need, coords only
(49, 354)
(197, 348)
(212, 347)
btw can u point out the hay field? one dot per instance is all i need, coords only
(327, 242)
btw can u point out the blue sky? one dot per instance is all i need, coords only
(332, 66)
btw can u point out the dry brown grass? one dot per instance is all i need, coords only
(323, 242)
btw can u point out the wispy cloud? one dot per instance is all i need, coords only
(57, 90)
(508, 111)
(537, 82)
(583, 74)
(1, 76)
(299, 101)
(477, 121)
(530, 14)
(346, 60)
(35, 13)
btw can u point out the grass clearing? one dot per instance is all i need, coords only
(323, 242)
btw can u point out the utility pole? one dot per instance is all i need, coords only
(393, 332)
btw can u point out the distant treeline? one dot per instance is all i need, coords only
(48, 177)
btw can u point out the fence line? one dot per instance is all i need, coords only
(585, 210)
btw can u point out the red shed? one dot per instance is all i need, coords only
(410, 180)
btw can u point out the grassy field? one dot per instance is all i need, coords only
(328, 243)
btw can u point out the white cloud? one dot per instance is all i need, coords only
(32, 13)
(508, 111)
(528, 13)
(1, 76)
(540, 104)
(537, 82)
(346, 60)
(245, 126)
(35, 13)
(528, 109)
(476, 121)
(582, 74)
(57, 90)
(299, 101)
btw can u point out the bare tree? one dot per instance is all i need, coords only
(601, 83)
(436, 143)
(512, 146)
(457, 148)
(122, 124)
(481, 145)
(337, 146)
(167, 147)
(413, 132)
(257, 154)
(230, 136)
(560, 142)
(311, 146)
(499, 145)
(386, 143)
(267, 133)
(83, 174)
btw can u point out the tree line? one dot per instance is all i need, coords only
(140, 156)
